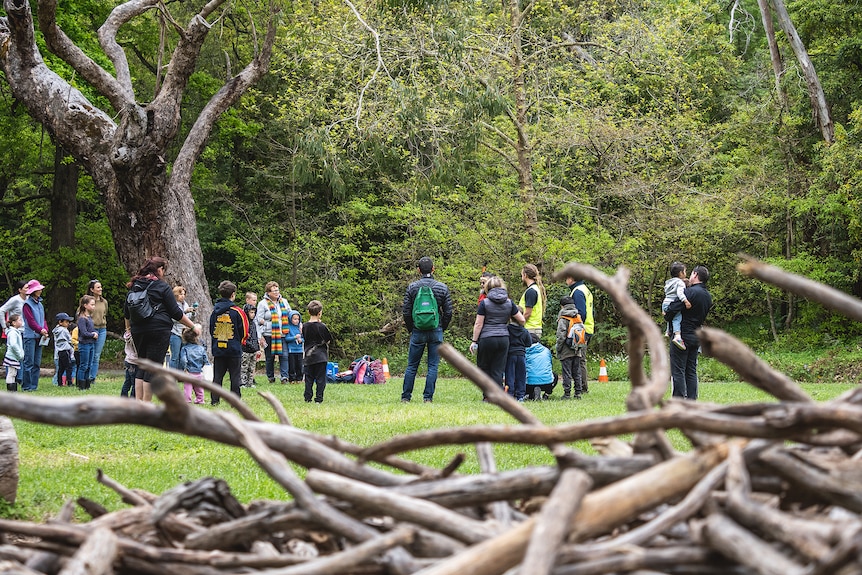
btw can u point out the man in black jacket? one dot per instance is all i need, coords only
(683, 362)
(420, 338)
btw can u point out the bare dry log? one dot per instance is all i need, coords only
(741, 546)
(401, 507)
(8, 461)
(96, 556)
(838, 490)
(551, 525)
(601, 511)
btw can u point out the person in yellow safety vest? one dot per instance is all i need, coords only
(584, 302)
(533, 299)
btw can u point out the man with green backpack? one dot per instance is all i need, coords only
(427, 312)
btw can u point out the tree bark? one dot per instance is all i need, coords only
(815, 91)
(150, 210)
(64, 217)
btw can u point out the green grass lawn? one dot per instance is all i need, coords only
(58, 463)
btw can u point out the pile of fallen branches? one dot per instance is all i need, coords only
(774, 487)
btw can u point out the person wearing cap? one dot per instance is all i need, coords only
(63, 349)
(35, 333)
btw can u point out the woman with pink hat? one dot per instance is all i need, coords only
(35, 328)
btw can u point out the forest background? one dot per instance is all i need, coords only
(486, 135)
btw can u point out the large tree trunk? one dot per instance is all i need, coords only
(150, 212)
(64, 216)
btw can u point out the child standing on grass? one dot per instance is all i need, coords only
(317, 339)
(570, 359)
(192, 359)
(14, 350)
(63, 350)
(251, 347)
(87, 336)
(128, 389)
(674, 289)
(294, 347)
(516, 365)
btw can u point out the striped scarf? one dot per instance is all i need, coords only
(280, 317)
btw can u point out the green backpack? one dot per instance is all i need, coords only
(426, 315)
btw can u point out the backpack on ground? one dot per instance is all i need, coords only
(426, 315)
(576, 335)
(139, 305)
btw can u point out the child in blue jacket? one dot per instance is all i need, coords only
(193, 358)
(540, 374)
(295, 347)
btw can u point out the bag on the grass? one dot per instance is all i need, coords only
(362, 371)
(331, 371)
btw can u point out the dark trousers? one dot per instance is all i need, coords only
(583, 361)
(516, 375)
(269, 362)
(571, 375)
(294, 366)
(232, 365)
(128, 389)
(683, 371)
(64, 367)
(315, 373)
(492, 355)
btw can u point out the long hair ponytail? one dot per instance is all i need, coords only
(532, 272)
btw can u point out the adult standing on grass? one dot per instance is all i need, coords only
(683, 362)
(491, 332)
(35, 335)
(427, 311)
(533, 299)
(273, 323)
(14, 304)
(152, 334)
(583, 298)
(100, 323)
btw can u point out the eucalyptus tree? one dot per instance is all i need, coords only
(130, 141)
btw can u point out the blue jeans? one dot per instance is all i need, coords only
(174, 347)
(676, 322)
(516, 376)
(85, 361)
(97, 352)
(418, 341)
(31, 363)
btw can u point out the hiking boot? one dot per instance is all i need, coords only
(537, 394)
(567, 396)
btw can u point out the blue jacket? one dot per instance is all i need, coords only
(539, 370)
(292, 331)
(193, 357)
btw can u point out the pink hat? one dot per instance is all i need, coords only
(33, 285)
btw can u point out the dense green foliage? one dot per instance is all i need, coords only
(653, 135)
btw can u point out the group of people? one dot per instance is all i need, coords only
(237, 335)
(506, 336)
(27, 332)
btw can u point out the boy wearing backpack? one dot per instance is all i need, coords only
(427, 311)
(569, 346)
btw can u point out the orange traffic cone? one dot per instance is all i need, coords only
(386, 369)
(603, 371)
